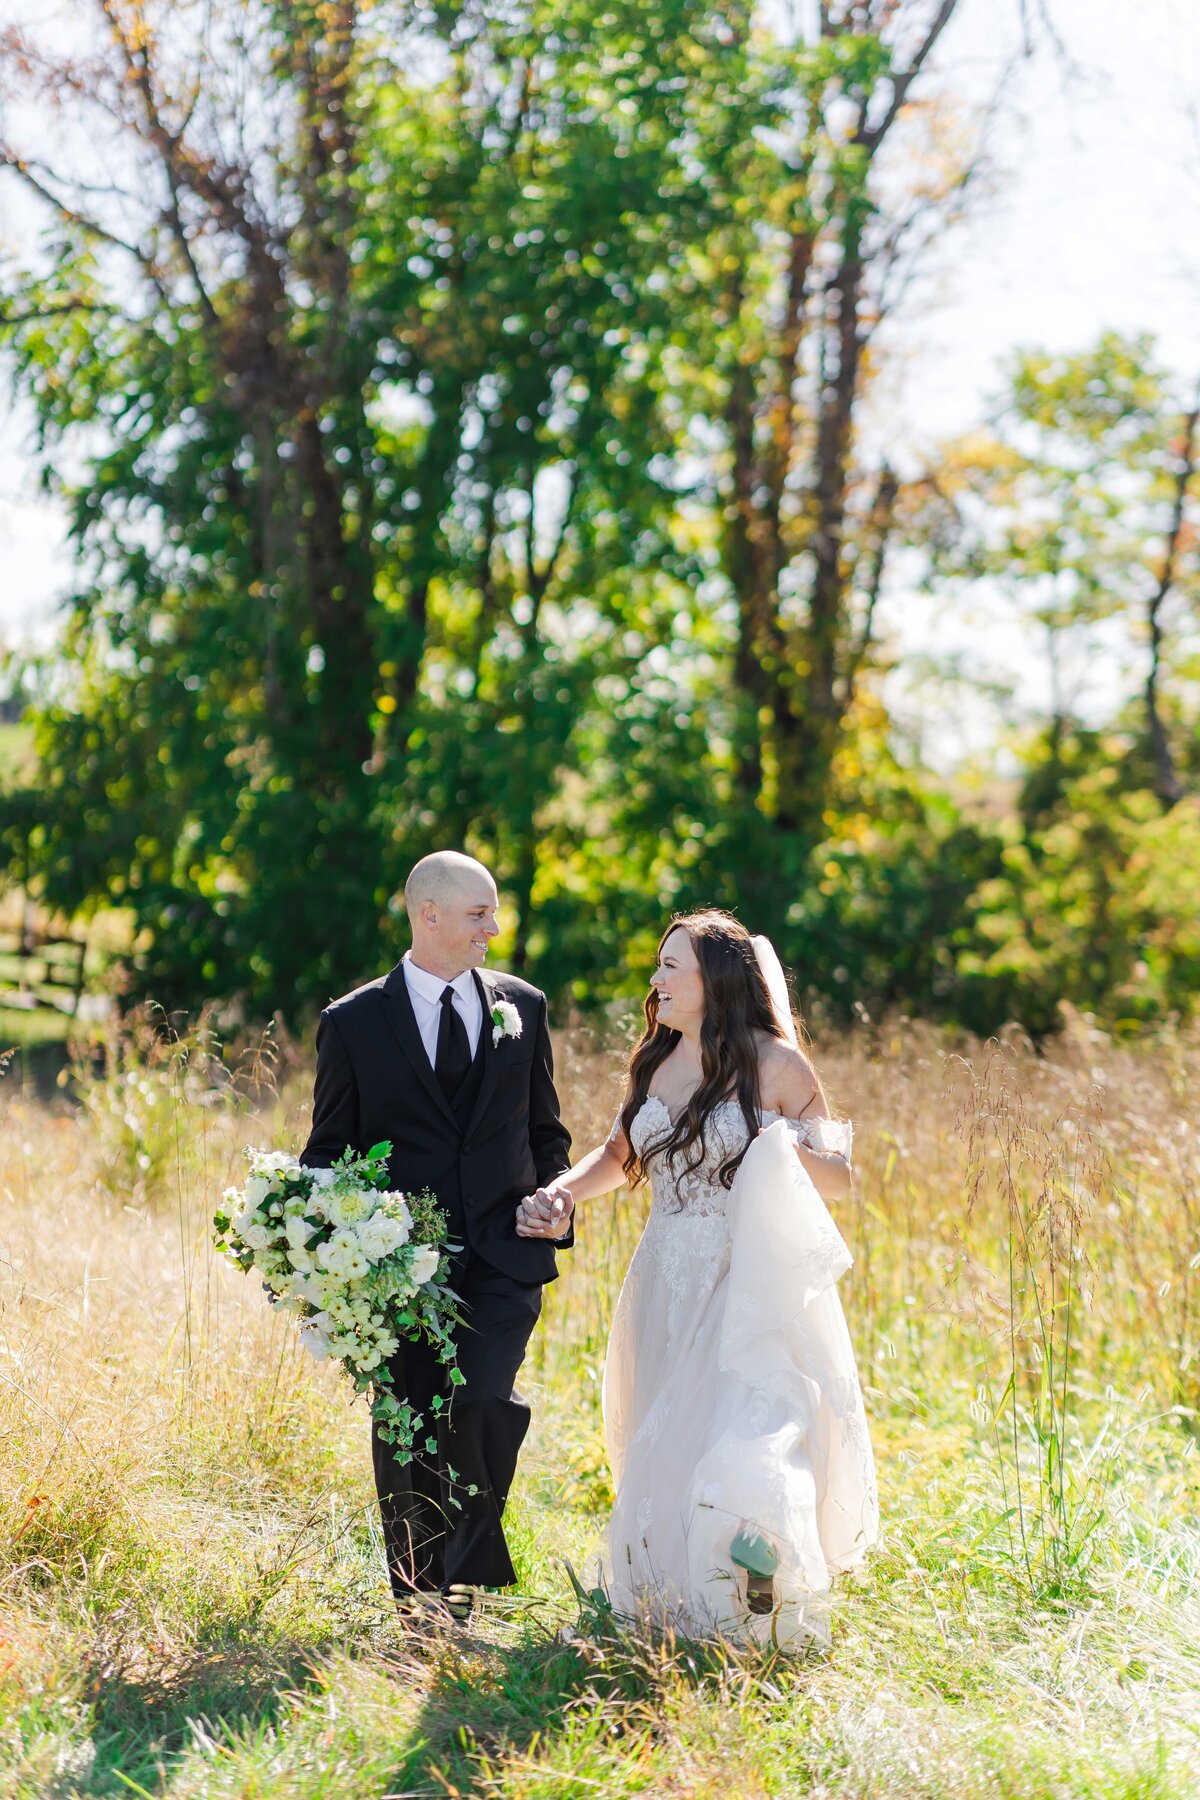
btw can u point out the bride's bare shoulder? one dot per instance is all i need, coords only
(788, 1082)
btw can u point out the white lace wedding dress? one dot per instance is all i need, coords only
(731, 1397)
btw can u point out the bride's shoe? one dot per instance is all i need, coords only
(754, 1553)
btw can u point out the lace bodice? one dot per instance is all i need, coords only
(700, 1193)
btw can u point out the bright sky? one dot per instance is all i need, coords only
(1095, 223)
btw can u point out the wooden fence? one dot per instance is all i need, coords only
(40, 972)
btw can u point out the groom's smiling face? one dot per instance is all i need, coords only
(459, 928)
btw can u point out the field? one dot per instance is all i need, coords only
(192, 1592)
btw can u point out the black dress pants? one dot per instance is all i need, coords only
(436, 1534)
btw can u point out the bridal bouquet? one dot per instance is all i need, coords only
(361, 1264)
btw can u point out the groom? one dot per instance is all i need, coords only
(454, 1066)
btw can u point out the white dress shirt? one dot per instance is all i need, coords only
(425, 992)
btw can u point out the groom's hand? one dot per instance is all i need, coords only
(546, 1214)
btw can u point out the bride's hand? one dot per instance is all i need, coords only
(546, 1214)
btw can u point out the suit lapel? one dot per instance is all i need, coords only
(400, 1016)
(490, 1052)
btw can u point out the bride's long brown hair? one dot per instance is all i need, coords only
(737, 1007)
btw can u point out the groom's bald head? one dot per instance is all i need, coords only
(443, 877)
(451, 901)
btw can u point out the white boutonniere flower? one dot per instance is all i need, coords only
(506, 1021)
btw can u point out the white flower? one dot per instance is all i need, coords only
(257, 1189)
(256, 1236)
(380, 1235)
(301, 1261)
(506, 1021)
(322, 1178)
(356, 1266)
(348, 1208)
(314, 1339)
(333, 1253)
(243, 1220)
(395, 1206)
(272, 1164)
(424, 1265)
(297, 1230)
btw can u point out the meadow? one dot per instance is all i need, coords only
(192, 1600)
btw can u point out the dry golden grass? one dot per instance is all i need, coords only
(189, 1566)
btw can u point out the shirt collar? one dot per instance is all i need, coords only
(431, 987)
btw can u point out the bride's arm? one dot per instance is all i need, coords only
(790, 1086)
(599, 1172)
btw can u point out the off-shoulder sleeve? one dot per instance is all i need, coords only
(836, 1135)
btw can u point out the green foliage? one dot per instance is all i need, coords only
(398, 517)
(1098, 909)
(474, 462)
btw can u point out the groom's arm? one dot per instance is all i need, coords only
(335, 1100)
(549, 1138)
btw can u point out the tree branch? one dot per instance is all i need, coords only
(1167, 783)
(883, 514)
(871, 138)
(10, 159)
(7, 317)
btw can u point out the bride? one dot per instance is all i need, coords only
(736, 1433)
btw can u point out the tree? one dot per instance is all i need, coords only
(1080, 506)
(355, 326)
(822, 215)
(458, 408)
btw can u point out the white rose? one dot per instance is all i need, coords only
(297, 1231)
(380, 1235)
(322, 1178)
(424, 1264)
(301, 1261)
(257, 1189)
(257, 1236)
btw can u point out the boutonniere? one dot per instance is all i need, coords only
(506, 1021)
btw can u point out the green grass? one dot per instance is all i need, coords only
(192, 1603)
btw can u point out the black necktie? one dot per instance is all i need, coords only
(453, 1057)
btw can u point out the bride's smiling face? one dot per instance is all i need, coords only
(679, 984)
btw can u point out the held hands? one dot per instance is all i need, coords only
(546, 1214)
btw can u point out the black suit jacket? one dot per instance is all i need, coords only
(375, 1082)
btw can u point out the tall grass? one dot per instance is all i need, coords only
(190, 1575)
(1046, 1177)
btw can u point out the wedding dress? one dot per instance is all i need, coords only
(731, 1397)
